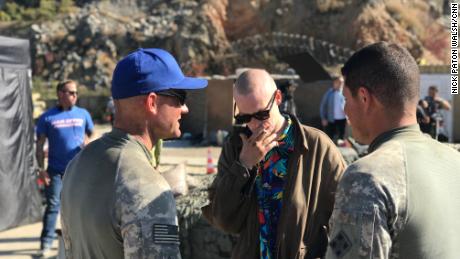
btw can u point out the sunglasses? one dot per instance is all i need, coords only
(74, 93)
(181, 95)
(260, 115)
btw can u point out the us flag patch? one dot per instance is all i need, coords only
(165, 234)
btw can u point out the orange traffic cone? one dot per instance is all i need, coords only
(210, 165)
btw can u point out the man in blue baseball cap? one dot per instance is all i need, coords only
(114, 203)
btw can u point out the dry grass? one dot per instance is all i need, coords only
(409, 17)
(437, 41)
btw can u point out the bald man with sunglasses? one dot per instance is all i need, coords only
(275, 186)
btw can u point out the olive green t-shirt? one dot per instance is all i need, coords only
(115, 205)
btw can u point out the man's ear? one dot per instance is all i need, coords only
(365, 98)
(151, 103)
(278, 97)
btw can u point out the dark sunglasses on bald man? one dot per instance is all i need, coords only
(181, 95)
(260, 115)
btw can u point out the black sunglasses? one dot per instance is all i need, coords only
(260, 115)
(70, 92)
(181, 95)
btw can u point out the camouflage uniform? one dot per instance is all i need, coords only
(388, 204)
(115, 205)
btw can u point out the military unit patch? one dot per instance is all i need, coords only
(165, 234)
(341, 244)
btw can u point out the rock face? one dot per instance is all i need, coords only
(202, 34)
(87, 44)
(199, 240)
(351, 24)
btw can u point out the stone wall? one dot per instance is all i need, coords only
(210, 109)
(199, 240)
(219, 105)
(308, 98)
(195, 121)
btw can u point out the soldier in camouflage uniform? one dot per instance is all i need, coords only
(114, 203)
(403, 199)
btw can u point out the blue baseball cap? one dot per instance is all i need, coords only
(150, 70)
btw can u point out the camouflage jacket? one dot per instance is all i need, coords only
(314, 169)
(389, 204)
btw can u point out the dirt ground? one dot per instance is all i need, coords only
(23, 242)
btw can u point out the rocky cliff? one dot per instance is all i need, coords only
(202, 34)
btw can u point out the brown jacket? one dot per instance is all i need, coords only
(314, 168)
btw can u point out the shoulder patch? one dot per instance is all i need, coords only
(341, 244)
(165, 234)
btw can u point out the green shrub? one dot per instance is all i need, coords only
(31, 10)
(47, 9)
(4, 17)
(14, 10)
(30, 14)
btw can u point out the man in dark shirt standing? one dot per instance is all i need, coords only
(434, 103)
